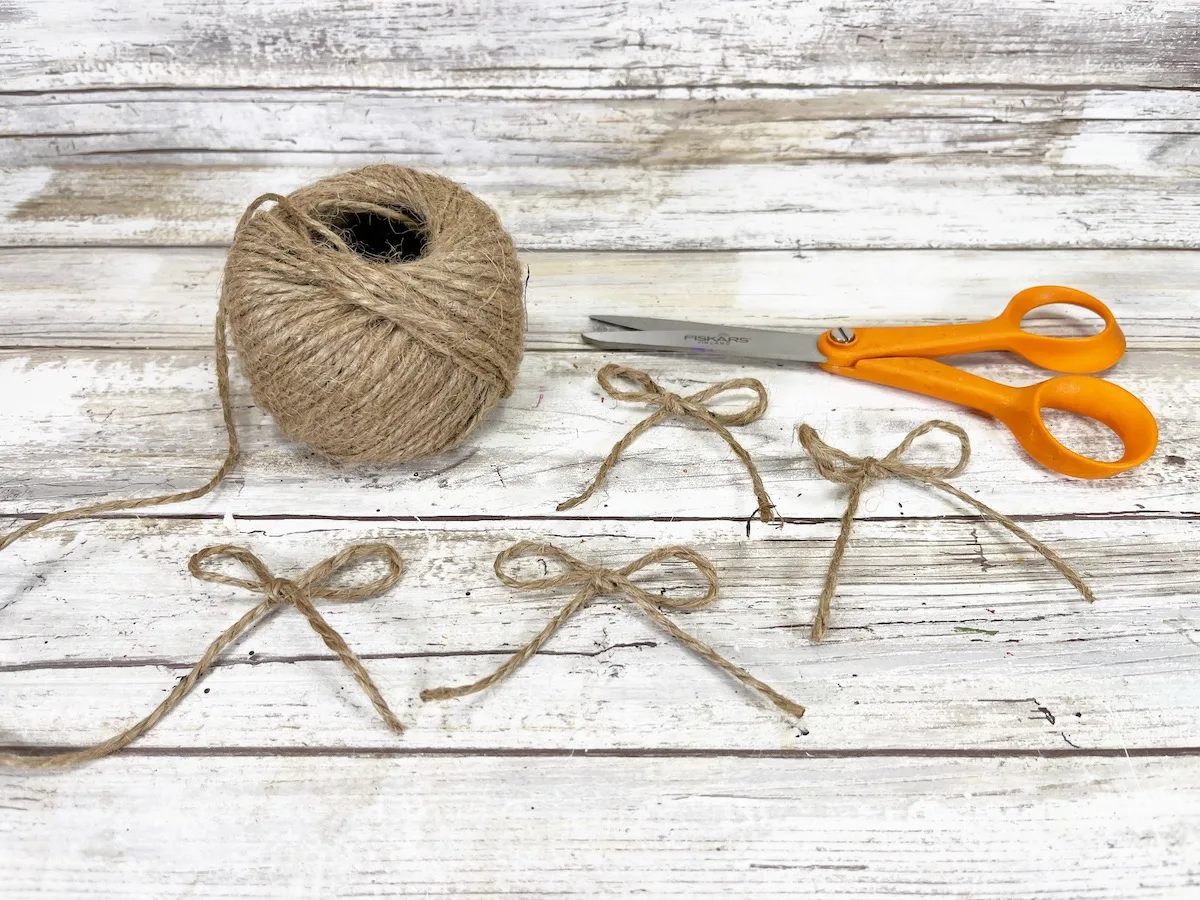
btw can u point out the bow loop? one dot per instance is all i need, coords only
(593, 581)
(254, 565)
(673, 405)
(856, 472)
(751, 413)
(650, 389)
(671, 601)
(572, 572)
(319, 579)
(964, 454)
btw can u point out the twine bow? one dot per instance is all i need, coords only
(691, 406)
(594, 581)
(315, 584)
(858, 471)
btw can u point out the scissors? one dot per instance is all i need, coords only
(901, 357)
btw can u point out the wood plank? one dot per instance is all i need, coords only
(1115, 129)
(580, 827)
(166, 297)
(87, 424)
(1031, 204)
(990, 829)
(947, 634)
(476, 43)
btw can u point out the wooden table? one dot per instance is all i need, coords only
(974, 728)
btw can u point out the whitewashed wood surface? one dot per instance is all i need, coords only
(974, 728)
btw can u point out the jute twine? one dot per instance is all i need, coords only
(689, 407)
(595, 581)
(315, 584)
(856, 472)
(364, 353)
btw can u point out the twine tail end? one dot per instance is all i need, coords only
(791, 707)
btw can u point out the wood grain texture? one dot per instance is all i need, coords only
(1104, 829)
(88, 424)
(135, 297)
(974, 728)
(1117, 130)
(719, 207)
(476, 43)
(947, 634)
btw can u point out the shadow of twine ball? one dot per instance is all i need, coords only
(378, 315)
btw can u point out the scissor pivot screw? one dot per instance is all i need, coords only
(842, 335)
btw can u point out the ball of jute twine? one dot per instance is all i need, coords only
(376, 353)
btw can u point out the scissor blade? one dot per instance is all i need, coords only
(642, 324)
(713, 340)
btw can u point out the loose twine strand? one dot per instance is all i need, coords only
(231, 456)
(221, 358)
(858, 471)
(594, 581)
(691, 406)
(315, 584)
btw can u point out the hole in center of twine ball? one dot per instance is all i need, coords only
(381, 238)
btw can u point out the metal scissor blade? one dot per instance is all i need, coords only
(713, 340)
(643, 324)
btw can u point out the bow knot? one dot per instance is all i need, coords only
(857, 472)
(316, 583)
(278, 592)
(603, 581)
(841, 468)
(870, 469)
(594, 581)
(693, 406)
(674, 405)
(283, 592)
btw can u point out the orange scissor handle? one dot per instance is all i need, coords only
(1021, 409)
(1077, 355)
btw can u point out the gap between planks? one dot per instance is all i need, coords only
(630, 752)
